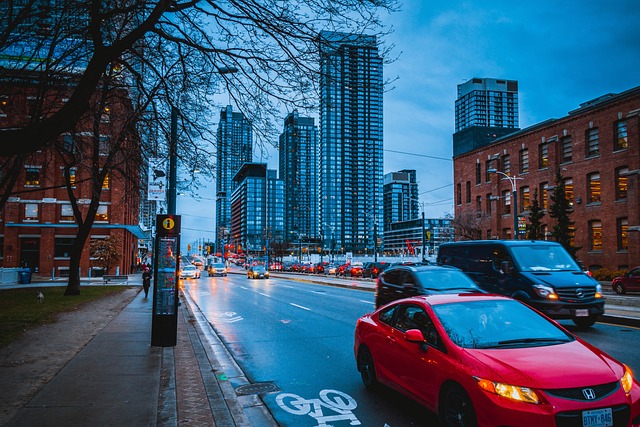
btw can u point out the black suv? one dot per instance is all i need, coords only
(408, 281)
(373, 269)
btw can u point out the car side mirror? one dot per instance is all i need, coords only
(416, 336)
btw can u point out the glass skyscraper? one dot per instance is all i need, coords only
(351, 158)
(299, 171)
(235, 147)
(400, 197)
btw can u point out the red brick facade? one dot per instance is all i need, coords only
(36, 225)
(596, 149)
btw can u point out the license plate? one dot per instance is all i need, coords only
(597, 418)
(582, 312)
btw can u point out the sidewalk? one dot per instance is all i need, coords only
(118, 378)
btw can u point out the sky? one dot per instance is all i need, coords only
(562, 53)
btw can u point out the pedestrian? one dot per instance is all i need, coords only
(146, 281)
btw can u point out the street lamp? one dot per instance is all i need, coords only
(300, 240)
(424, 260)
(332, 241)
(514, 192)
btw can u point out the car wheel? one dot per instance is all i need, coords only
(619, 289)
(457, 409)
(367, 368)
(585, 322)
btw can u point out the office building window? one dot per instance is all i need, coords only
(488, 234)
(525, 199)
(593, 181)
(621, 183)
(459, 194)
(567, 149)
(595, 235)
(478, 206)
(622, 232)
(568, 190)
(543, 155)
(478, 173)
(66, 212)
(62, 247)
(102, 214)
(32, 177)
(593, 142)
(544, 195)
(524, 160)
(506, 164)
(487, 174)
(468, 189)
(620, 138)
(487, 204)
(31, 212)
(105, 183)
(506, 202)
(72, 177)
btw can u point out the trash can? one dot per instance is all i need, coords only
(24, 276)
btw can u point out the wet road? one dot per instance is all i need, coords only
(300, 337)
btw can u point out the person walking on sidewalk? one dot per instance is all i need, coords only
(146, 281)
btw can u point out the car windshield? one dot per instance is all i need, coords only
(543, 258)
(217, 265)
(497, 324)
(190, 267)
(445, 279)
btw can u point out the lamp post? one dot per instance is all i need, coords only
(514, 192)
(299, 240)
(332, 241)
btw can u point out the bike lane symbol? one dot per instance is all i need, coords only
(339, 406)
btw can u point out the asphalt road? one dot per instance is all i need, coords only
(299, 338)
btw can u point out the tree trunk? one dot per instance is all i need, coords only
(73, 286)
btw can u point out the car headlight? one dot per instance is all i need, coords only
(514, 392)
(627, 379)
(598, 291)
(545, 291)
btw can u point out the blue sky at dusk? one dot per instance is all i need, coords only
(562, 53)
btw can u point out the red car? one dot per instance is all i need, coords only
(630, 282)
(489, 360)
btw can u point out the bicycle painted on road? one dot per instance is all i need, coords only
(338, 404)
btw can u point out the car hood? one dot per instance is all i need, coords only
(561, 279)
(549, 367)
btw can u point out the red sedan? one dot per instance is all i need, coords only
(488, 360)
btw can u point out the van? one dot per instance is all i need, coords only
(540, 273)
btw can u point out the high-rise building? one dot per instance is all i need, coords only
(351, 158)
(486, 109)
(299, 171)
(400, 195)
(235, 147)
(257, 209)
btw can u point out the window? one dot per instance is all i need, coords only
(102, 214)
(525, 199)
(487, 204)
(568, 190)
(66, 212)
(595, 235)
(524, 160)
(506, 164)
(68, 143)
(478, 173)
(104, 145)
(544, 188)
(543, 155)
(31, 212)
(623, 234)
(32, 177)
(72, 177)
(621, 183)
(62, 247)
(459, 194)
(487, 174)
(478, 206)
(620, 138)
(567, 149)
(489, 234)
(506, 205)
(468, 190)
(105, 183)
(4, 102)
(593, 180)
(593, 142)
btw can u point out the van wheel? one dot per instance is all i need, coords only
(585, 322)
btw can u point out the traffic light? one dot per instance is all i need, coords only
(199, 248)
(188, 247)
(208, 249)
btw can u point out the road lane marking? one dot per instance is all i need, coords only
(265, 295)
(366, 302)
(300, 306)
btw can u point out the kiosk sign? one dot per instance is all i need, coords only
(164, 325)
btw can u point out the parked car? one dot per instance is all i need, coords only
(489, 360)
(257, 272)
(373, 269)
(217, 269)
(630, 282)
(189, 271)
(407, 281)
(355, 269)
(541, 273)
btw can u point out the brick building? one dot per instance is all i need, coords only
(37, 226)
(596, 150)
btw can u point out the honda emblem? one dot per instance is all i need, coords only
(588, 393)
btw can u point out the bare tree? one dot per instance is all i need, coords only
(468, 224)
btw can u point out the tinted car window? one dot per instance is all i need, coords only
(386, 315)
(393, 276)
(443, 279)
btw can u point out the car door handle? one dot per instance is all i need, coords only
(391, 339)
